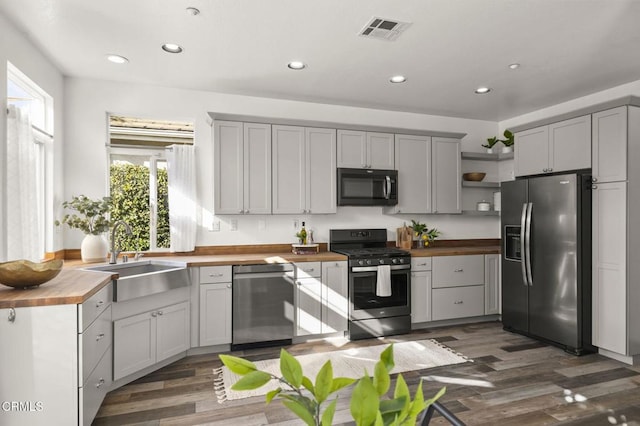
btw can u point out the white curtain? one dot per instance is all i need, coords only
(24, 239)
(182, 197)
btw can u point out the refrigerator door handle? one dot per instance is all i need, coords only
(523, 260)
(528, 244)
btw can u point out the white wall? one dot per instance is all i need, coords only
(14, 47)
(87, 103)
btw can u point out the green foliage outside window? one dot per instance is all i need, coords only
(130, 202)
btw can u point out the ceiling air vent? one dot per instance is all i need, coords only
(384, 29)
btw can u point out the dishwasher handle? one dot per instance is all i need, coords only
(238, 277)
(278, 268)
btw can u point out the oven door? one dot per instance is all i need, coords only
(365, 304)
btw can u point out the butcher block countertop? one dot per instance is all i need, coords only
(74, 285)
(71, 286)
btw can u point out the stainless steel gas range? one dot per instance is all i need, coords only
(379, 282)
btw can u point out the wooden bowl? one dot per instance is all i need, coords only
(24, 273)
(474, 176)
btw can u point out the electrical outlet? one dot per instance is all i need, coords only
(215, 226)
(234, 225)
(296, 224)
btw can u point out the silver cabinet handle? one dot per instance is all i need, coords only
(298, 282)
(12, 315)
(240, 211)
(154, 314)
(309, 270)
(228, 285)
(594, 186)
(215, 275)
(458, 302)
(594, 179)
(99, 337)
(550, 170)
(100, 382)
(458, 270)
(246, 212)
(160, 313)
(99, 303)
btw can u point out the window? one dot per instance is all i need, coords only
(138, 178)
(28, 96)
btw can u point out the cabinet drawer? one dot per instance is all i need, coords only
(94, 306)
(215, 274)
(95, 388)
(454, 271)
(308, 269)
(421, 263)
(94, 342)
(457, 302)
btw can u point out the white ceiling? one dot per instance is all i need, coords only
(567, 48)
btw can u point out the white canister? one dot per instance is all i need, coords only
(497, 201)
(484, 206)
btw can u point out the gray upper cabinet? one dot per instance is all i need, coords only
(413, 162)
(304, 170)
(610, 145)
(556, 147)
(446, 174)
(365, 150)
(242, 168)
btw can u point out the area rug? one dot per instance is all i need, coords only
(408, 356)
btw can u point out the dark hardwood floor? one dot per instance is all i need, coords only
(511, 380)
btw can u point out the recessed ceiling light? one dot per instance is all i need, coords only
(171, 48)
(482, 90)
(514, 66)
(296, 65)
(398, 79)
(117, 59)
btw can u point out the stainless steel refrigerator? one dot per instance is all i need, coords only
(546, 259)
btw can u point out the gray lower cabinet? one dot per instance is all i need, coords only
(215, 305)
(144, 339)
(421, 289)
(57, 363)
(458, 287)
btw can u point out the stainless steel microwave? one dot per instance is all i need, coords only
(367, 187)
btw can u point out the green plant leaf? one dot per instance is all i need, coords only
(327, 416)
(393, 405)
(418, 404)
(252, 380)
(237, 365)
(379, 420)
(381, 379)
(341, 382)
(272, 394)
(301, 411)
(387, 357)
(291, 369)
(324, 380)
(364, 402)
(402, 390)
(306, 382)
(433, 399)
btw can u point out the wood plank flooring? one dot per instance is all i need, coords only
(511, 380)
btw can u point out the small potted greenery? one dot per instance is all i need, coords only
(92, 218)
(507, 142)
(425, 235)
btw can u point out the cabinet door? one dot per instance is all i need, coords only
(308, 303)
(172, 330)
(352, 149)
(228, 164)
(215, 314)
(134, 344)
(257, 168)
(413, 162)
(380, 151)
(289, 170)
(320, 171)
(531, 152)
(609, 145)
(420, 296)
(335, 297)
(491, 284)
(570, 144)
(445, 162)
(609, 279)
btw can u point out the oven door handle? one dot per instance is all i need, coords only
(375, 268)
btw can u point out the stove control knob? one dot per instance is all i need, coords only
(382, 261)
(368, 262)
(360, 262)
(395, 260)
(401, 260)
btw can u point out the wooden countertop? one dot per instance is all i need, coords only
(71, 286)
(75, 285)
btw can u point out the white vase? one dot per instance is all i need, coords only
(94, 248)
(489, 150)
(507, 149)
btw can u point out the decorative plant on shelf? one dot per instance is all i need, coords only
(424, 234)
(508, 140)
(306, 398)
(92, 219)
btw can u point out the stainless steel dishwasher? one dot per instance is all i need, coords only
(263, 312)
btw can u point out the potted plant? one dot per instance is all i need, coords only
(507, 142)
(425, 235)
(92, 219)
